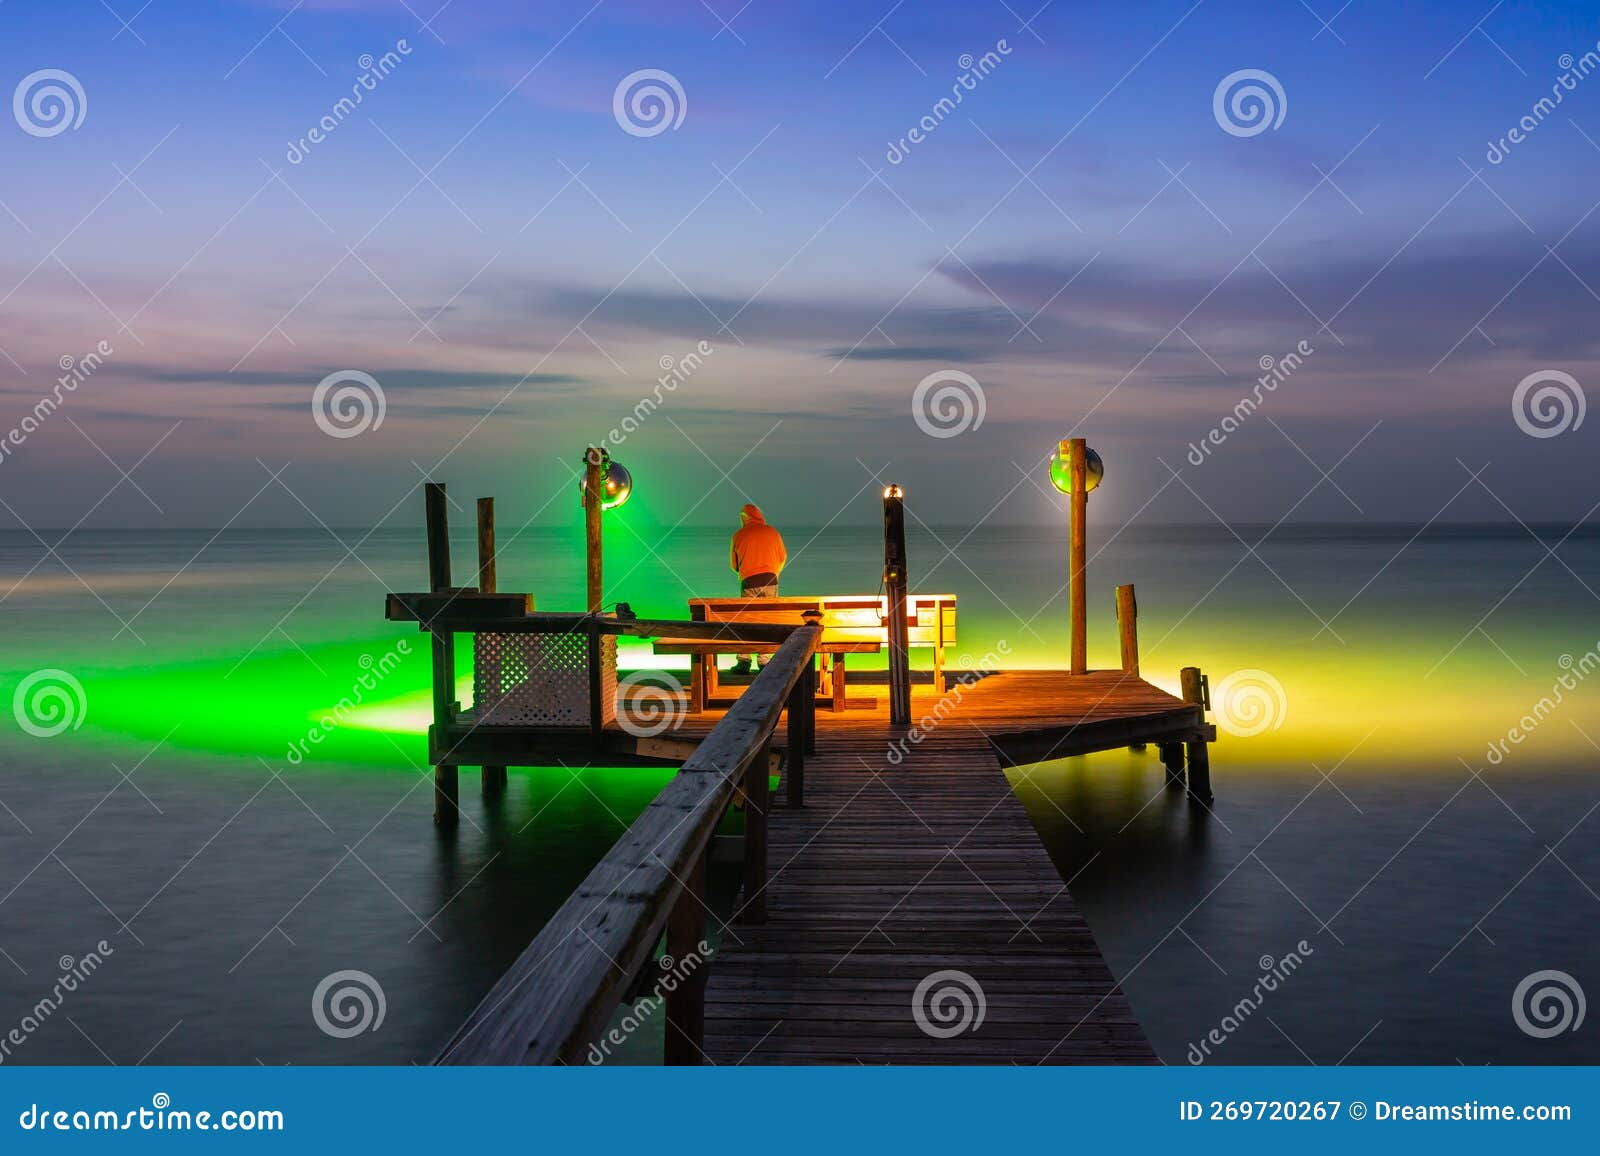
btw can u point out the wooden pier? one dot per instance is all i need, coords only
(896, 903)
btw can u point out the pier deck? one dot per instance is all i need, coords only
(894, 872)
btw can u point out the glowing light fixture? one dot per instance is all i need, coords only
(1061, 470)
(616, 484)
(893, 491)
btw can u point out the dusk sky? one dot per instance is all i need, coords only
(1081, 235)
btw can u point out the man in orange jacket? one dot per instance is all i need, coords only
(757, 555)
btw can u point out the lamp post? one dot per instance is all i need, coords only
(1075, 470)
(606, 485)
(894, 589)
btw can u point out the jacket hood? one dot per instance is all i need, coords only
(750, 514)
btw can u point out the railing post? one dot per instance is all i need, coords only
(757, 801)
(1128, 628)
(446, 781)
(1194, 690)
(596, 708)
(593, 476)
(686, 1002)
(794, 757)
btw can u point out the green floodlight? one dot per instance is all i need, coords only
(1061, 470)
(616, 484)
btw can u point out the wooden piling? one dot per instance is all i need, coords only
(494, 778)
(1128, 628)
(894, 587)
(446, 780)
(1194, 690)
(593, 475)
(1076, 451)
(757, 802)
(686, 1002)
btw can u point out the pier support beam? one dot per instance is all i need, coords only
(1128, 629)
(894, 588)
(686, 1003)
(1194, 690)
(446, 781)
(494, 778)
(593, 471)
(757, 802)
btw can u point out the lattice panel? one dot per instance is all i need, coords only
(540, 679)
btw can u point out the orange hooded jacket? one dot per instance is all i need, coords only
(757, 548)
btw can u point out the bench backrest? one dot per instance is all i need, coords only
(931, 618)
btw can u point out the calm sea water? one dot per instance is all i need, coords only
(1364, 678)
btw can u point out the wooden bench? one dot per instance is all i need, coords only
(851, 624)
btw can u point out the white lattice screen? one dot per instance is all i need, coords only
(540, 679)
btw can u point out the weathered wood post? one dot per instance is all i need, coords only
(1128, 629)
(1076, 452)
(446, 780)
(686, 1002)
(593, 474)
(494, 778)
(757, 800)
(808, 676)
(797, 712)
(894, 586)
(1194, 690)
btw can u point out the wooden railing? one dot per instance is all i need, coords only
(558, 998)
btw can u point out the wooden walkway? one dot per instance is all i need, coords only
(926, 872)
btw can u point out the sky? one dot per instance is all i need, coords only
(1095, 241)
